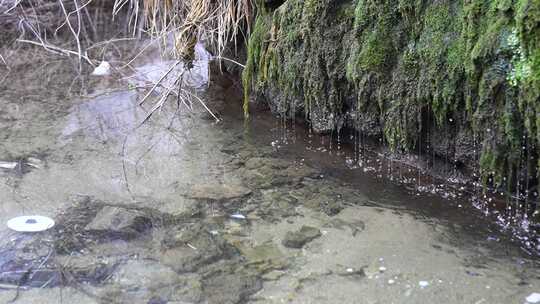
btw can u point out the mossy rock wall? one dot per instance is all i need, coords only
(460, 79)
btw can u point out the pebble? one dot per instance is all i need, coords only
(533, 298)
(103, 69)
(238, 216)
(423, 284)
(391, 281)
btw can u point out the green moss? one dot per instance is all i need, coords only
(255, 58)
(487, 42)
(411, 61)
(474, 62)
(374, 53)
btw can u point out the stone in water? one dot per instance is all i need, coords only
(533, 298)
(423, 284)
(103, 69)
(299, 238)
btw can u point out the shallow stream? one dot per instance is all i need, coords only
(184, 209)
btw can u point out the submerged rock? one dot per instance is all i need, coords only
(274, 204)
(90, 222)
(355, 227)
(105, 247)
(266, 172)
(25, 260)
(28, 261)
(92, 268)
(140, 273)
(227, 283)
(324, 196)
(299, 238)
(187, 248)
(265, 257)
(218, 192)
(144, 281)
(121, 220)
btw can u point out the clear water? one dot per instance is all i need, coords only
(182, 209)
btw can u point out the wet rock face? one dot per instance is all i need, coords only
(299, 238)
(413, 74)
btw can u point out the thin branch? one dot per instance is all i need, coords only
(229, 59)
(75, 33)
(4, 61)
(176, 63)
(56, 49)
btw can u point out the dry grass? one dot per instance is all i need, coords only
(217, 22)
(179, 25)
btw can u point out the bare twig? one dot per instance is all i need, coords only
(56, 49)
(229, 59)
(204, 105)
(4, 61)
(77, 9)
(217, 21)
(75, 33)
(176, 63)
(106, 42)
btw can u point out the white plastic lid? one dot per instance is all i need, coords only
(32, 223)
